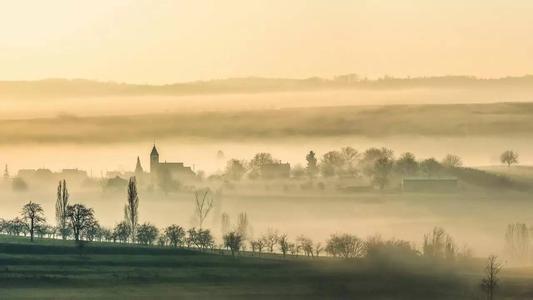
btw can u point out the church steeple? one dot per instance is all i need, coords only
(6, 173)
(138, 168)
(154, 160)
(154, 152)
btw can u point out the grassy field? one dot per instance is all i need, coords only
(56, 270)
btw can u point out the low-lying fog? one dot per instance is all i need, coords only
(202, 154)
(475, 218)
(478, 220)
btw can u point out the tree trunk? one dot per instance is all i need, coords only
(31, 230)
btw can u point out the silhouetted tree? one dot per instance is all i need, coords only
(205, 239)
(318, 249)
(439, 244)
(371, 155)
(345, 246)
(258, 162)
(32, 213)
(147, 234)
(81, 219)
(235, 169)
(350, 156)
(430, 167)
(162, 241)
(312, 164)
(283, 243)
(270, 239)
(332, 163)
(243, 226)
(377, 248)
(203, 203)
(200, 238)
(257, 245)
(121, 232)
(107, 234)
(61, 209)
(225, 224)
(233, 240)
(452, 161)
(407, 164)
(382, 172)
(517, 242)
(175, 235)
(490, 282)
(305, 244)
(509, 157)
(16, 226)
(42, 230)
(92, 232)
(131, 209)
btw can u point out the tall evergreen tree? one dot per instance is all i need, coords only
(131, 214)
(61, 209)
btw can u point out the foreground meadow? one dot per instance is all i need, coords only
(58, 270)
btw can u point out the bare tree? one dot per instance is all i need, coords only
(243, 226)
(318, 249)
(490, 282)
(283, 243)
(233, 241)
(270, 239)
(257, 245)
(345, 246)
(452, 161)
(509, 157)
(306, 244)
(175, 235)
(61, 209)
(33, 215)
(81, 219)
(439, 244)
(203, 204)
(351, 157)
(225, 224)
(131, 209)
(517, 241)
(382, 171)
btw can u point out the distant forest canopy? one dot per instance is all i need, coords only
(89, 88)
(455, 120)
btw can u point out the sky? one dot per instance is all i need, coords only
(162, 41)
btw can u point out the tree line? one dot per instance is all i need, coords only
(77, 222)
(376, 164)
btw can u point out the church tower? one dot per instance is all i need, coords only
(154, 161)
(138, 168)
(6, 174)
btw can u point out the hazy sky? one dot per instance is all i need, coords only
(168, 41)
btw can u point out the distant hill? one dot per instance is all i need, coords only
(88, 88)
(457, 120)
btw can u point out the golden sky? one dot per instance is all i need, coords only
(168, 41)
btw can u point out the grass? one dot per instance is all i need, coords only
(54, 270)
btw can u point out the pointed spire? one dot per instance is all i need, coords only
(154, 151)
(6, 173)
(138, 167)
